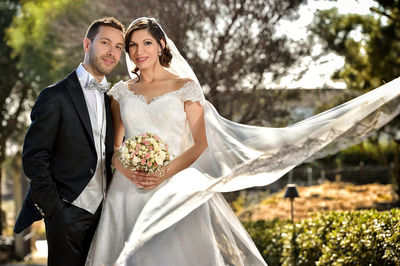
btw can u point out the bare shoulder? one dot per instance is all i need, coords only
(133, 81)
(180, 82)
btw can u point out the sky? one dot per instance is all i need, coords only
(319, 73)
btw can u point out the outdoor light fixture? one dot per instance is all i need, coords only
(291, 193)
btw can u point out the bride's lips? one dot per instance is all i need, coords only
(141, 59)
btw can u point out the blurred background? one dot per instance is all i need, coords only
(268, 63)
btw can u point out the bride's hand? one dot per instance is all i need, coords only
(124, 171)
(142, 179)
(149, 180)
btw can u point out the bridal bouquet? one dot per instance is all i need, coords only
(146, 152)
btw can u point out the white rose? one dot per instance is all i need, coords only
(159, 160)
(124, 149)
(162, 154)
(136, 160)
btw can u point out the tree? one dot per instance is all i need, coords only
(371, 48)
(36, 39)
(13, 92)
(231, 44)
(26, 58)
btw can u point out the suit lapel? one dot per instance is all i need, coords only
(78, 99)
(109, 136)
(108, 117)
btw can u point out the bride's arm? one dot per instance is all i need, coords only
(118, 126)
(195, 116)
(119, 132)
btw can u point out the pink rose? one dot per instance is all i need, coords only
(132, 155)
(144, 135)
(143, 161)
(147, 156)
(149, 163)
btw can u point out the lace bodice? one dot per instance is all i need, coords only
(164, 115)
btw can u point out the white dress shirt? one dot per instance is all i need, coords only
(94, 192)
(94, 99)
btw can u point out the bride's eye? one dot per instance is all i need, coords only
(132, 45)
(148, 43)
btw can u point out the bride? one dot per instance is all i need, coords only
(177, 216)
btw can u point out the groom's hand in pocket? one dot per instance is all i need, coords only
(58, 211)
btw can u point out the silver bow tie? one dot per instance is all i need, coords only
(94, 85)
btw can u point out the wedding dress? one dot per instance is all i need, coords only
(209, 235)
(185, 221)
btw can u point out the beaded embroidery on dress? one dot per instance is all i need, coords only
(237, 157)
(200, 238)
(156, 223)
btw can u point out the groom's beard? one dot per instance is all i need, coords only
(97, 62)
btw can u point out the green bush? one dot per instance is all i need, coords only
(364, 237)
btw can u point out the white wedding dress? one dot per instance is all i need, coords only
(185, 221)
(208, 233)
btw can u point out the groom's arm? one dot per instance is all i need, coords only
(38, 148)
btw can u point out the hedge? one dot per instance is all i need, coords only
(366, 237)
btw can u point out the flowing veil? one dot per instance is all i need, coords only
(241, 156)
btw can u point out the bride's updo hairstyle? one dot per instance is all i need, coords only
(154, 29)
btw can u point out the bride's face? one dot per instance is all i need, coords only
(143, 49)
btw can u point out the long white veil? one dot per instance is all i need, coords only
(241, 156)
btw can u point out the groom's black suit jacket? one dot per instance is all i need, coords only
(59, 155)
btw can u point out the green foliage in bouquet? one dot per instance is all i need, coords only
(365, 237)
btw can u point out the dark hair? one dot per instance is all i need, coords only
(154, 29)
(106, 21)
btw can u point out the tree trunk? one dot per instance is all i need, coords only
(2, 158)
(394, 168)
(396, 171)
(2, 214)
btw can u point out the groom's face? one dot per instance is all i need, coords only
(104, 51)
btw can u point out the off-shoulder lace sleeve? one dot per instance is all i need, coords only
(192, 91)
(117, 90)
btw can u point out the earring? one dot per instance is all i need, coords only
(159, 53)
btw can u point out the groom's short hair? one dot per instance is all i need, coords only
(106, 21)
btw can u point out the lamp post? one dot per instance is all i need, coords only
(291, 193)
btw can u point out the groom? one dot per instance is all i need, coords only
(68, 148)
